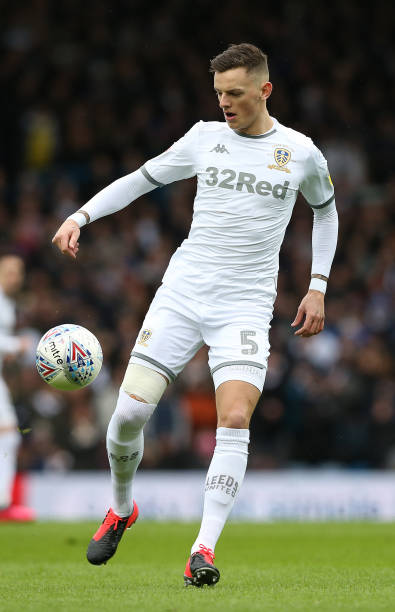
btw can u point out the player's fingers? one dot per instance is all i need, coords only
(65, 244)
(299, 317)
(74, 250)
(56, 240)
(61, 240)
(306, 328)
(313, 330)
(319, 324)
(74, 238)
(313, 325)
(69, 253)
(300, 332)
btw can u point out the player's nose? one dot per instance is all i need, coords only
(223, 102)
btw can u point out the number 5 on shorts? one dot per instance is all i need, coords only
(245, 340)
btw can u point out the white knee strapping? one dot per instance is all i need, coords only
(144, 382)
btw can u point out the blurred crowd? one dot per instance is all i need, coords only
(90, 91)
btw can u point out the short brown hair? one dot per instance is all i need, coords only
(244, 55)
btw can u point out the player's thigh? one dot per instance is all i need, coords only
(239, 350)
(170, 334)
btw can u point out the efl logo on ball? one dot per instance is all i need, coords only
(69, 357)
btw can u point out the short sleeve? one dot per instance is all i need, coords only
(178, 162)
(317, 186)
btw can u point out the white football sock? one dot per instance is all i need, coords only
(9, 443)
(224, 478)
(125, 446)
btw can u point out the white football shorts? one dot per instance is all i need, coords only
(177, 326)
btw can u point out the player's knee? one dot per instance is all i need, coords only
(236, 416)
(143, 384)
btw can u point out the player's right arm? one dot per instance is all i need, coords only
(177, 163)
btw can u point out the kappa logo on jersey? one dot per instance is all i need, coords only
(144, 337)
(281, 157)
(220, 149)
(246, 180)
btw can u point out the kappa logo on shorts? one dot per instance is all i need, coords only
(144, 337)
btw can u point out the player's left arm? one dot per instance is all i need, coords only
(318, 188)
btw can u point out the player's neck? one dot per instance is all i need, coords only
(263, 124)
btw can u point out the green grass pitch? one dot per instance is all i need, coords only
(280, 566)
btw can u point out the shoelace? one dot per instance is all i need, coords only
(207, 551)
(109, 520)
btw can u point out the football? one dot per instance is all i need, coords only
(69, 357)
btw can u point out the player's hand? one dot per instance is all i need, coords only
(311, 313)
(66, 238)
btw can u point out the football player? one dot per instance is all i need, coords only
(12, 271)
(220, 285)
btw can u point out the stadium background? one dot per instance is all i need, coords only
(89, 92)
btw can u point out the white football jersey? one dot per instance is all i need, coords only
(246, 189)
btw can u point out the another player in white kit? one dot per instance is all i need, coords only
(220, 285)
(12, 273)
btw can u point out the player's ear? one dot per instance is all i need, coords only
(266, 90)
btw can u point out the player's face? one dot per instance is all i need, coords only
(12, 273)
(242, 98)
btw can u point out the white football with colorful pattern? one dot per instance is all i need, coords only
(69, 357)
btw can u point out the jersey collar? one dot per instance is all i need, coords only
(255, 136)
